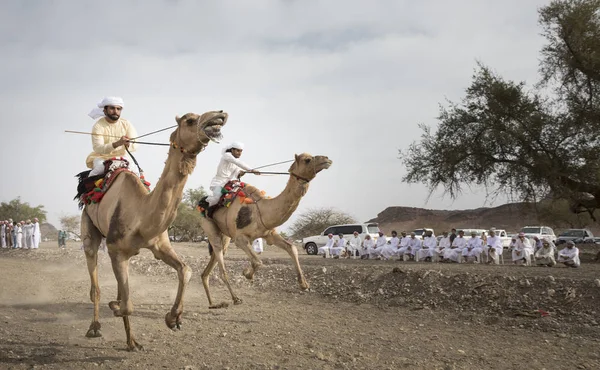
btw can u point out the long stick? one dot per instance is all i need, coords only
(90, 133)
(273, 164)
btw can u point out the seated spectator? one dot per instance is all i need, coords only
(354, 245)
(391, 248)
(429, 245)
(379, 244)
(545, 255)
(493, 248)
(339, 247)
(326, 249)
(367, 246)
(522, 251)
(472, 251)
(438, 252)
(454, 253)
(569, 255)
(537, 244)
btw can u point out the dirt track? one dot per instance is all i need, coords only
(359, 314)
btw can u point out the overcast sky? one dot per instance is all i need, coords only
(346, 79)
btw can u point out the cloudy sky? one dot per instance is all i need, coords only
(346, 79)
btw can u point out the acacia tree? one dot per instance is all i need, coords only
(18, 211)
(314, 221)
(521, 141)
(187, 222)
(70, 224)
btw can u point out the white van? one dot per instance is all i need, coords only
(312, 243)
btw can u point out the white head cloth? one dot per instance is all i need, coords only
(98, 112)
(234, 145)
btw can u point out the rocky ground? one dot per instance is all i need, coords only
(358, 314)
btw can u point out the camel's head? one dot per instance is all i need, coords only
(306, 167)
(195, 131)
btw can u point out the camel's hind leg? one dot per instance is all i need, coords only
(279, 241)
(124, 308)
(164, 252)
(244, 244)
(217, 258)
(91, 240)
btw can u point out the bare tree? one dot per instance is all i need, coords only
(315, 220)
(70, 224)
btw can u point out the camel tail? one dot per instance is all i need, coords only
(210, 249)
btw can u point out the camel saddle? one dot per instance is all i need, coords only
(91, 189)
(234, 189)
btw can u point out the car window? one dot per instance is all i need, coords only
(373, 229)
(503, 234)
(532, 230)
(349, 229)
(331, 230)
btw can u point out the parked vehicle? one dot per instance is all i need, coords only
(420, 232)
(506, 239)
(542, 232)
(312, 243)
(575, 235)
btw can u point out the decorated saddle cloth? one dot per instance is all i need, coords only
(234, 189)
(92, 189)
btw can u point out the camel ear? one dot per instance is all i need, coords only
(177, 119)
(296, 157)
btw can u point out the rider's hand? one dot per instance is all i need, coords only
(242, 173)
(256, 172)
(124, 140)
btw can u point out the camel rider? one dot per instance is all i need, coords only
(230, 168)
(111, 134)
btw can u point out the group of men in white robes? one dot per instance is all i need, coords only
(20, 235)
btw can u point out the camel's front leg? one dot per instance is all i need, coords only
(164, 251)
(217, 257)
(279, 241)
(91, 241)
(120, 265)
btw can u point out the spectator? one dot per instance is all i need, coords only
(257, 245)
(473, 250)
(391, 248)
(354, 245)
(454, 253)
(326, 249)
(379, 244)
(429, 245)
(339, 247)
(522, 251)
(493, 248)
(452, 236)
(368, 247)
(545, 255)
(443, 245)
(569, 255)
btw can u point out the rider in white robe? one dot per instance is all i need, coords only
(454, 253)
(569, 255)
(37, 235)
(522, 250)
(354, 245)
(442, 246)
(327, 247)
(391, 248)
(545, 255)
(473, 249)
(429, 245)
(339, 246)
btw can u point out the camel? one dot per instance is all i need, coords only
(131, 218)
(245, 222)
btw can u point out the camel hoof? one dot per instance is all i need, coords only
(237, 301)
(218, 305)
(93, 333)
(173, 323)
(115, 306)
(248, 273)
(135, 347)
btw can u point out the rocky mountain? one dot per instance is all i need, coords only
(511, 217)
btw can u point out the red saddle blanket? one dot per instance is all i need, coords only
(234, 189)
(114, 167)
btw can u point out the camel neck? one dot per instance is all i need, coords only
(162, 203)
(277, 211)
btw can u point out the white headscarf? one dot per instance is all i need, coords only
(98, 112)
(234, 145)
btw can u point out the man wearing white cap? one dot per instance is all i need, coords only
(37, 235)
(111, 134)
(230, 168)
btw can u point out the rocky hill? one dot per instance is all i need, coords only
(510, 217)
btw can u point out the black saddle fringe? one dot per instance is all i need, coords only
(85, 184)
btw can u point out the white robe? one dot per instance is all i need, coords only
(455, 251)
(403, 247)
(37, 235)
(474, 248)
(28, 233)
(429, 245)
(326, 247)
(495, 243)
(257, 245)
(3, 236)
(367, 248)
(229, 168)
(570, 256)
(19, 231)
(376, 250)
(545, 256)
(391, 248)
(339, 247)
(523, 249)
(442, 246)
(354, 244)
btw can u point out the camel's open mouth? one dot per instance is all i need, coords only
(325, 164)
(212, 129)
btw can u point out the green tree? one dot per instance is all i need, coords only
(70, 224)
(186, 225)
(521, 141)
(316, 220)
(21, 211)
